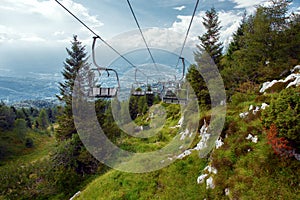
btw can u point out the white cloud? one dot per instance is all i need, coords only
(180, 8)
(42, 29)
(33, 39)
(38, 21)
(173, 3)
(58, 33)
(248, 5)
(230, 21)
(170, 39)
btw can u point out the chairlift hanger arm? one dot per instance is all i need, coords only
(107, 70)
(102, 68)
(93, 54)
(117, 76)
(183, 68)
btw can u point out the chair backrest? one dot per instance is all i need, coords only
(103, 92)
(96, 91)
(149, 92)
(138, 93)
(113, 91)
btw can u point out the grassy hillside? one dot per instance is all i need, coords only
(43, 143)
(178, 181)
(25, 175)
(247, 167)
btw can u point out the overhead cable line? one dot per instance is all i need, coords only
(97, 36)
(187, 33)
(138, 25)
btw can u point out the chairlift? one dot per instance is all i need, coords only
(172, 91)
(149, 90)
(137, 87)
(138, 92)
(101, 90)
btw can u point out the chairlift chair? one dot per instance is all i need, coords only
(100, 91)
(137, 87)
(103, 92)
(172, 92)
(149, 90)
(137, 91)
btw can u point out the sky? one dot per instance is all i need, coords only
(34, 34)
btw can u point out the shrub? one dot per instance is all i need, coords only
(284, 113)
(279, 145)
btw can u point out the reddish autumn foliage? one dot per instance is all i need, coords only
(280, 145)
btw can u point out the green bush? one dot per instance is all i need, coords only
(284, 112)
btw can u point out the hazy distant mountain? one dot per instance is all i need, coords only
(15, 89)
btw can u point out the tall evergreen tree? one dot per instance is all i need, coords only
(209, 53)
(71, 159)
(237, 40)
(277, 12)
(75, 63)
(293, 34)
(210, 40)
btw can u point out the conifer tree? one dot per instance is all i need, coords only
(71, 159)
(209, 53)
(261, 49)
(75, 63)
(265, 54)
(210, 40)
(43, 119)
(237, 40)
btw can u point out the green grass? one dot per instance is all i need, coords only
(177, 181)
(43, 145)
(27, 174)
(250, 170)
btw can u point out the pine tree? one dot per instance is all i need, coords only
(71, 159)
(261, 49)
(237, 40)
(209, 53)
(277, 13)
(75, 65)
(43, 119)
(7, 117)
(293, 34)
(265, 53)
(210, 40)
(198, 84)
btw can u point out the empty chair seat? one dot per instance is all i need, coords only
(138, 93)
(103, 92)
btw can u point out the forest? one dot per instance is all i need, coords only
(42, 155)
